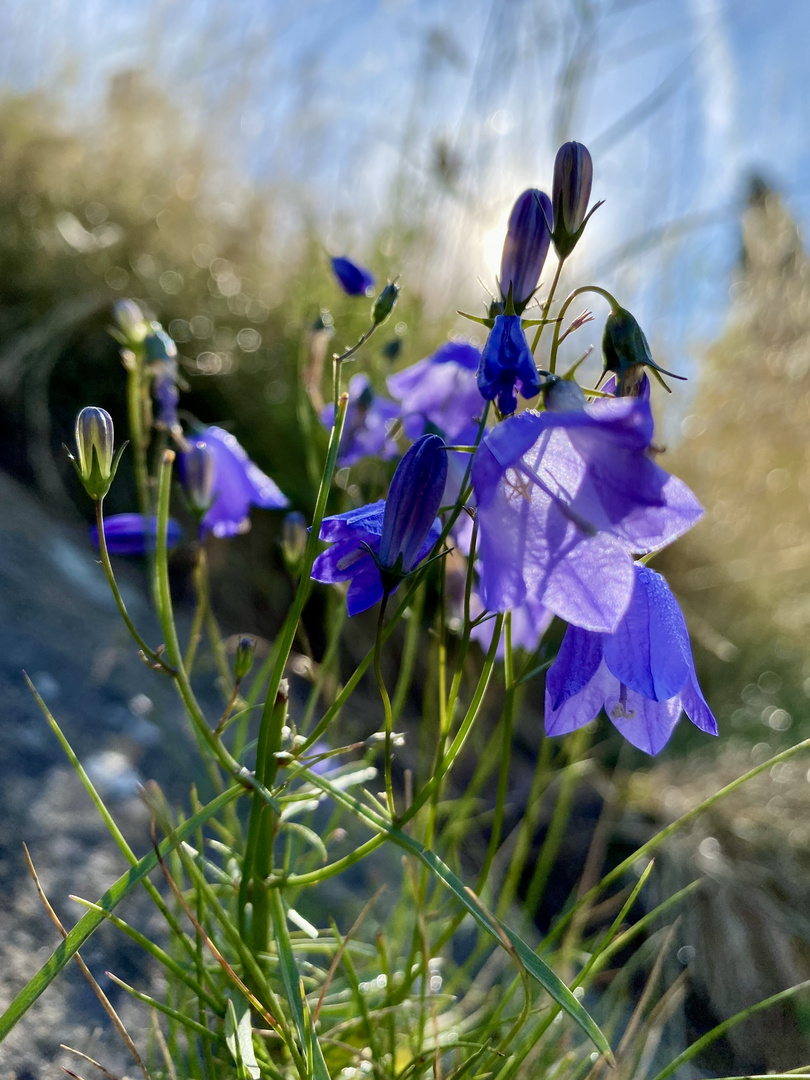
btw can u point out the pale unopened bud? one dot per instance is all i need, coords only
(96, 462)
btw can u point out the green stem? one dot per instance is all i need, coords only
(547, 305)
(555, 344)
(136, 434)
(389, 718)
(269, 741)
(153, 656)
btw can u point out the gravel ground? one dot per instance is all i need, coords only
(125, 723)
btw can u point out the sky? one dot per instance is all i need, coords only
(366, 112)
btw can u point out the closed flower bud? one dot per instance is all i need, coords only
(353, 279)
(293, 538)
(96, 464)
(626, 353)
(571, 191)
(245, 651)
(131, 321)
(384, 304)
(413, 501)
(526, 246)
(196, 470)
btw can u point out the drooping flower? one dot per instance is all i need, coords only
(134, 534)
(353, 279)
(571, 190)
(626, 353)
(237, 485)
(507, 365)
(525, 247)
(563, 499)
(196, 469)
(643, 675)
(440, 390)
(369, 420)
(377, 545)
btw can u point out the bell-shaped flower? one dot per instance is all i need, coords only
(134, 534)
(507, 365)
(237, 485)
(441, 390)
(367, 428)
(353, 279)
(643, 675)
(564, 498)
(528, 237)
(570, 193)
(377, 545)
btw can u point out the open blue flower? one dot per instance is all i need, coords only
(643, 675)
(369, 420)
(507, 365)
(375, 546)
(237, 485)
(564, 498)
(441, 390)
(354, 279)
(134, 534)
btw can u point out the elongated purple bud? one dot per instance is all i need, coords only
(571, 192)
(134, 534)
(526, 246)
(95, 461)
(413, 501)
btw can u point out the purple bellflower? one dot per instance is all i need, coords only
(377, 545)
(507, 365)
(353, 279)
(134, 534)
(525, 248)
(643, 675)
(564, 498)
(442, 391)
(369, 419)
(237, 484)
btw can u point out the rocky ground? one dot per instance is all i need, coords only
(60, 625)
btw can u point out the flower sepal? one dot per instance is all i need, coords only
(626, 352)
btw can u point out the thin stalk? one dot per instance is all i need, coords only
(269, 741)
(555, 344)
(386, 701)
(547, 305)
(153, 656)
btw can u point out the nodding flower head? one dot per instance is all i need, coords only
(626, 353)
(571, 191)
(507, 365)
(237, 484)
(643, 674)
(353, 279)
(196, 470)
(134, 534)
(528, 236)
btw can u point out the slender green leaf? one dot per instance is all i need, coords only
(505, 937)
(94, 918)
(239, 1036)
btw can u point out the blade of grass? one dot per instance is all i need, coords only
(90, 922)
